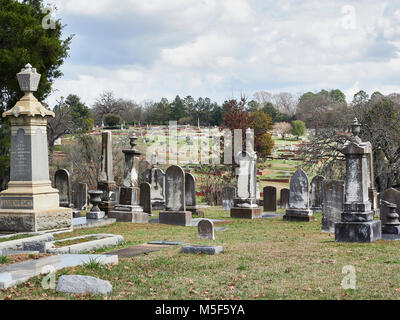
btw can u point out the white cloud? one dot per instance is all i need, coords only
(213, 47)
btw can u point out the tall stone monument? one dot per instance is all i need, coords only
(372, 193)
(299, 203)
(129, 209)
(106, 182)
(175, 205)
(245, 205)
(30, 204)
(358, 224)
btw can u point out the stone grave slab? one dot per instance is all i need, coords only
(137, 250)
(210, 250)
(21, 272)
(83, 223)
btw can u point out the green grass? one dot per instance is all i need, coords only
(4, 259)
(262, 259)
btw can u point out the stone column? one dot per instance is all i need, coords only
(107, 183)
(30, 204)
(357, 223)
(245, 205)
(372, 193)
(129, 209)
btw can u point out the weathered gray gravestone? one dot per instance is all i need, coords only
(206, 230)
(285, 193)
(299, 206)
(269, 199)
(332, 206)
(175, 202)
(389, 196)
(80, 196)
(228, 198)
(62, 181)
(190, 195)
(358, 224)
(316, 193)
(156, 178)
(145, 197)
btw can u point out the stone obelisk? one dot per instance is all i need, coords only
(30, 204)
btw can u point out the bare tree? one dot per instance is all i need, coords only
(282, 128)
(105, 104)
(286, 103)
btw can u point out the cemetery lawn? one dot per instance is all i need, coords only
(262, 259)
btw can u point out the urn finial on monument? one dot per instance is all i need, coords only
(28, 80)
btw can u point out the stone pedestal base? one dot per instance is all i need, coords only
(108, 199)
(246, 213)
(107, 206)
(133, 214)
(176, 218)
(95, 215)
(35, 221)
(388, 229)
(358, 231)
(157, 205)
(316, 209)
(298, 215)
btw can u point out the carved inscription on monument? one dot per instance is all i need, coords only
(21, 157)
(16, 203)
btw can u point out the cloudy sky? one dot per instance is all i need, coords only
(148, 49)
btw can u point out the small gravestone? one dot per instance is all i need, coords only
(62, 180)
(332, 205)
(80, 196)
(269, 199)
(316, 193)
(206, 230)
(299, 206)
(145, 197)
(210, 250)
(175, 204)
(228, 198)
(285, 193)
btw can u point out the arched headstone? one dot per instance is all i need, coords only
(316, 192)
(62, 181)
(175, 189)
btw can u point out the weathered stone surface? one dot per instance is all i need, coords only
(333, 199)
(77, 284)
(357, 224)
(62, 180)
(246, 213)
(316, 192)
(145, 197)
(176, 218)
(358, 231)
(18, 243)
(270, 199)
(247, 175)
(156, 178)
(41, 246)
(390, 195)
(190, 190)
(228, 198)
(206, 229)
(285, 194)
(299, 207)
(80, 196)
(299, 191)
(210, 250)
(106, 174)
(175, 189)
(17, 273)
(95, 215)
